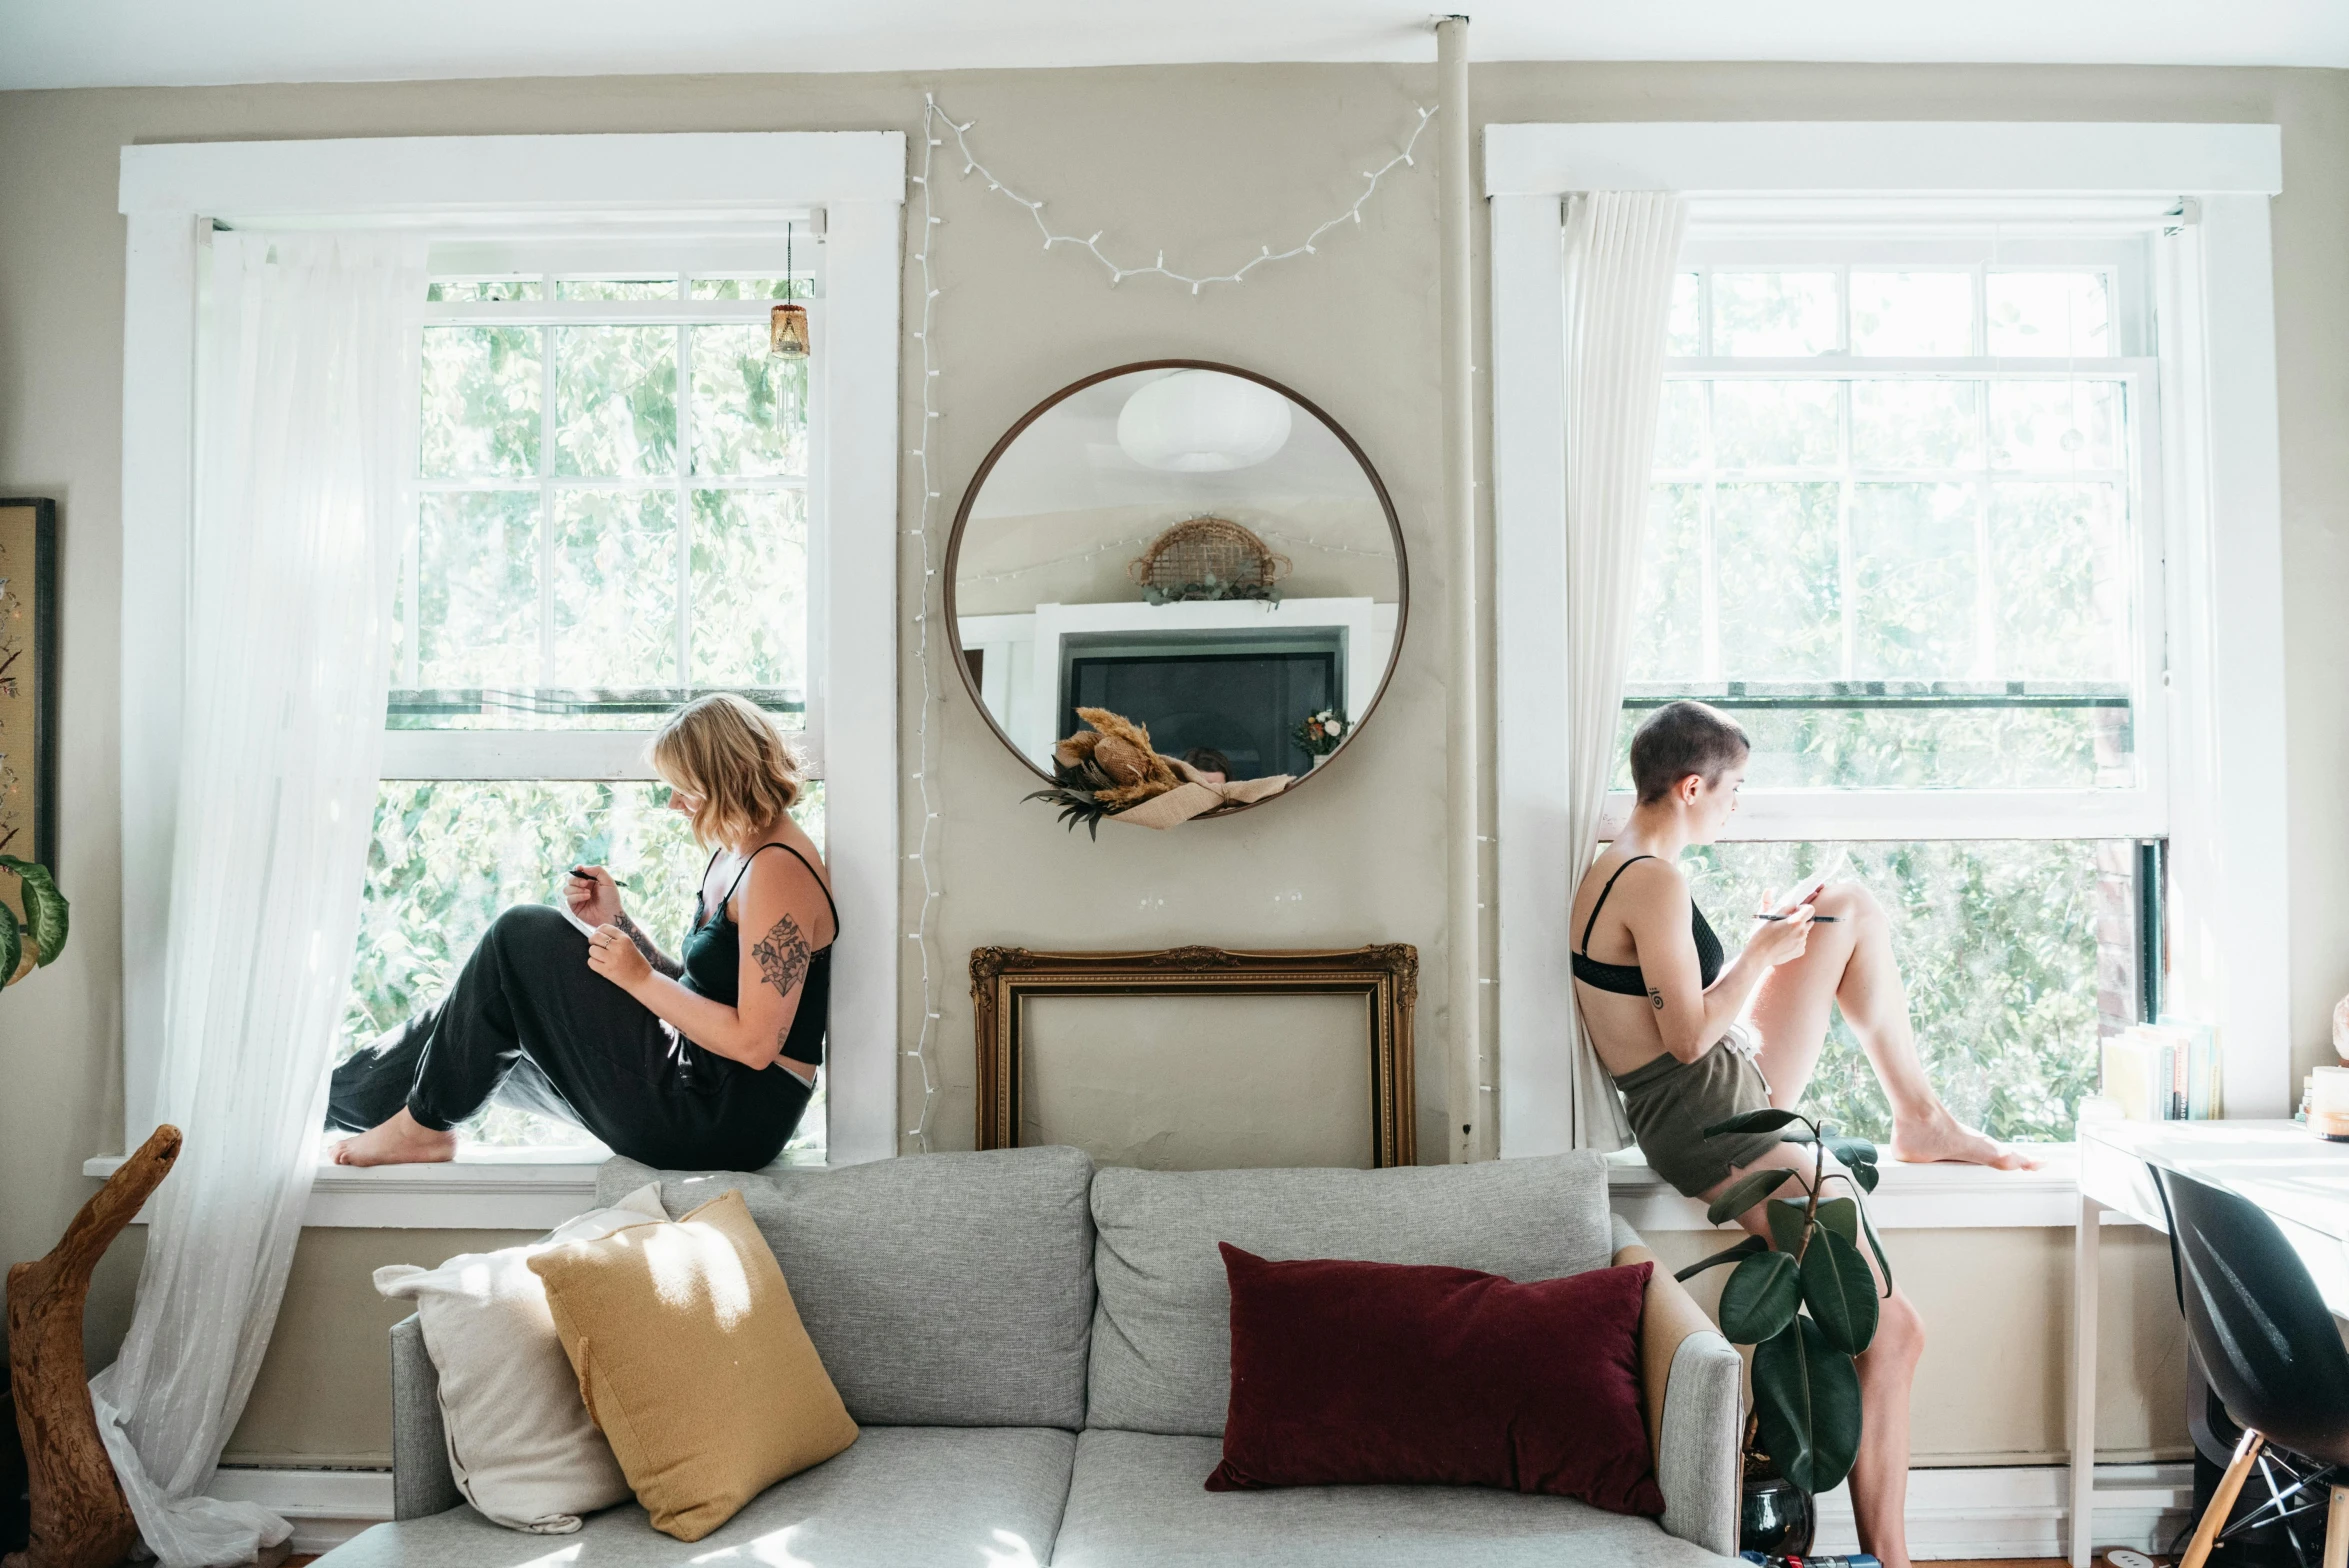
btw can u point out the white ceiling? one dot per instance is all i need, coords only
(86, 43)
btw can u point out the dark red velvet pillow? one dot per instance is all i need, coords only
(1359, 1372)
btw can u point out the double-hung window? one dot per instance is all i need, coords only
(1903, 528)
(613, 514)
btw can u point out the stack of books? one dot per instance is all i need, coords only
(2163, 1072)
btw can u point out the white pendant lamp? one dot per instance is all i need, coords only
(1203, 422)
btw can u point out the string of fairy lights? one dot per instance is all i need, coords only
(929, 844)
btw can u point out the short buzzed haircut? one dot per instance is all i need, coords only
(1681, 738)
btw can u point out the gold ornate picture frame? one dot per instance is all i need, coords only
(28, 680)
(1005, 979)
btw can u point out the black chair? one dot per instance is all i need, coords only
(2268, 1345)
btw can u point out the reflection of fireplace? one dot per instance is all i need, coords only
(1240, 694)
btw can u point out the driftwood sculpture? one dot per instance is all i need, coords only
(79, 1517)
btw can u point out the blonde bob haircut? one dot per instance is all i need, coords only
(725, 749)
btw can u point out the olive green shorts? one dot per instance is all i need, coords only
(1670, 1103)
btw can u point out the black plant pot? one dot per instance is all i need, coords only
(1774, 1517)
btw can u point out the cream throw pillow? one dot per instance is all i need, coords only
(520, 1443)
(692, 1359)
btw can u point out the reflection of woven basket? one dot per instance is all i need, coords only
(1207, 550)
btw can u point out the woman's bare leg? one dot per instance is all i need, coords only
(403, 1140)
(1888, 1370)
(1850, 963)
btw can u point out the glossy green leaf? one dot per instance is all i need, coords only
(1745, 1248)
(1842, 1216)
(1839, 1290)
(11, 946)
(1883, 1264)
(1767, 1119)
(46, 914)
(1788, 1217)
(1852, 1151)
(1807, 1399)
(1746, 1191)
(1867, 1176)
(1760, 1298)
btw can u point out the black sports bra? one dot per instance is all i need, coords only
(1625, 979)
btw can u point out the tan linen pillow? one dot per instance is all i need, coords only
(692, 1359)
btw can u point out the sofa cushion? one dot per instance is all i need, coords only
(940, 1289)
(902, 1497)
(1136, 1502)
(1399, 1372)
(1162, 1335)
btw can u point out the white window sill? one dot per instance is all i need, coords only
(1909, 1197)
(485, 1189)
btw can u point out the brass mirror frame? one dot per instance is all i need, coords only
(1378, 487)
(1004, 979)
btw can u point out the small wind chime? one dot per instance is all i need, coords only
(787, 322)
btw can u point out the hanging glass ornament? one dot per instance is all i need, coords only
(787, 322)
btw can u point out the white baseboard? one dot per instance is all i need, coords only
(325, 1507)
(2021, 1511)
(1990, 1511)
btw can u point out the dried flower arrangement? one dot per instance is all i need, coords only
(1111, 772)
(1321, 733)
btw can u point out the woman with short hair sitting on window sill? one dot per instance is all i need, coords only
(1692, 1041)
(705, 1061)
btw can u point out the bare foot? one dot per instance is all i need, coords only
(401, 1141)
(1942, 1136)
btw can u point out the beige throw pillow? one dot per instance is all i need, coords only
(693, 1361)
(520, 1444)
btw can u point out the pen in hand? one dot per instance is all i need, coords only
(584, 877)
(1823, 920)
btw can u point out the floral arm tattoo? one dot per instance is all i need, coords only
(653, 955)
(783, 956)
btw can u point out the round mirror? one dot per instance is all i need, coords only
(1189, 546)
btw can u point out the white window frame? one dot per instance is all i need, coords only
(725, 185)
(2218, 495)
(1745, 240)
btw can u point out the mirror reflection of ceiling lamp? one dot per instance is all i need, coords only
(1203, 422)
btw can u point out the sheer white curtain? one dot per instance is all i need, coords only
(302, 433)
(1620, 251)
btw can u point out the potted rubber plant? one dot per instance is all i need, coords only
(32, 935)
(1805, 1299)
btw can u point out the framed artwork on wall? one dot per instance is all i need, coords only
(28, 680)
(1363, 1083)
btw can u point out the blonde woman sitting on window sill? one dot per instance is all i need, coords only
(704, 1061)
(1692, 1040)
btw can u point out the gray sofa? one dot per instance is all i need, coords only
(1039, 1356)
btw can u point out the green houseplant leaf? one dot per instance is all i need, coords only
(1842, 1216)
(11, 946)
(1789, 1218)
(46, 914)
(1761, 1297)
(1852, 1151)
(1768, 1119)
(1744, 1249)
(1749, 1189)
(1807, 1400)
(1840, 1291)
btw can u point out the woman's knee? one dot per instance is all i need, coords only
(525, 923)
(1900, 1331)
(1849, 901)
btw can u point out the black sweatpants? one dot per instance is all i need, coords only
(530, 1025)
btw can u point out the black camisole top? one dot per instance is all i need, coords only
(1625, 979)
(712, 959)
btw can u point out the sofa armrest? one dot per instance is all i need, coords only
(1693, 1383)
(421, 1481)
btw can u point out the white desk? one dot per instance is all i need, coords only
(2302, 1183)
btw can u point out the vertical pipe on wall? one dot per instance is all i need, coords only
(1469, 1102)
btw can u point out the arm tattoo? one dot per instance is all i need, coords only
(653, 955)
(1656, 996)
(783, 956)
